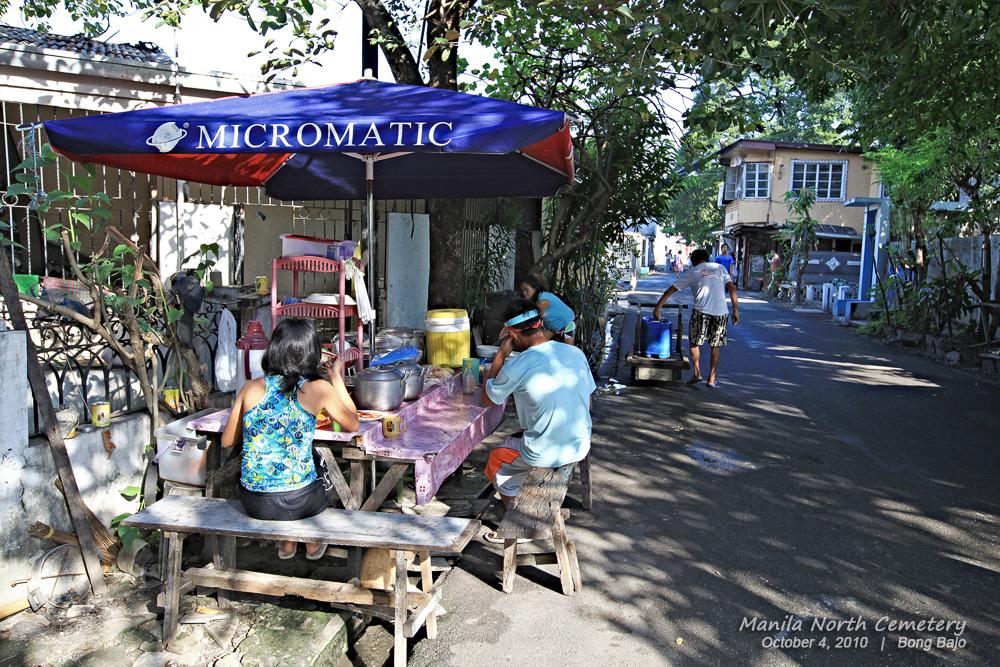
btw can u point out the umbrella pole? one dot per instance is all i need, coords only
(370, 186)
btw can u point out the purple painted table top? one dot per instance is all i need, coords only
(442, 427)
(216, 422)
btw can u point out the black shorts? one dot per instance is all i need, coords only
(301, 503)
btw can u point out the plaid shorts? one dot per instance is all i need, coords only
(709, 329)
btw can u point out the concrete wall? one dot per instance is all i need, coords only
(27, 493)
(968, 250)
(860, 183)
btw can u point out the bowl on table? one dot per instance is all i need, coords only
(487, 352)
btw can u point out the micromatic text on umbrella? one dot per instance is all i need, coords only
(401, 134)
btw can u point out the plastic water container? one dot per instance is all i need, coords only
(448, 338)
(250, 353)
(341, 250)
(654, 338)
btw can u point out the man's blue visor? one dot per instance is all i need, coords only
(523, 317)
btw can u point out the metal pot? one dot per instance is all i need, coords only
(414, 379)
(380, 388)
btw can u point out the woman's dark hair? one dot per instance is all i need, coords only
(536, 283)
(519, 307)
(293, 353)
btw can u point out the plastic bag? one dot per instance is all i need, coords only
(402, 355)
(365, 311)
(225, 356)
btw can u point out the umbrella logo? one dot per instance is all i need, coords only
(166, 137)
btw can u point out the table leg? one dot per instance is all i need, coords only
(224, 560)
(509, 565)
(174, 548)
(337, 477)
(560, 541)
(427, 585)
(385, 486)
(213, 462)
(358, 481)
(585, 481)
(399, 645)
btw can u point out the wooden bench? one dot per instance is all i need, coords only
(535, 514)
(179, 516)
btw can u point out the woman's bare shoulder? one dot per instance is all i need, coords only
(252, 392)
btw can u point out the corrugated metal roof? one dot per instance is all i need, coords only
(822, 230)
(144, 52)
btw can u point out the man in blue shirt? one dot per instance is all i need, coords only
(725, 258)
(551, 384)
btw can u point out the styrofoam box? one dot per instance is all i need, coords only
(293, 245)
(181, 454)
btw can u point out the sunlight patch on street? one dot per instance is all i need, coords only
(867, 374)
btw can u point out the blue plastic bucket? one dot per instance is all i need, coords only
(654, 338)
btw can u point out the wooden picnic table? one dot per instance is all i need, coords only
(443, 426)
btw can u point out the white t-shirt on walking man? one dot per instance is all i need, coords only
(708, 283)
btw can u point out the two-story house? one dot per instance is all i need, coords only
(759, 173)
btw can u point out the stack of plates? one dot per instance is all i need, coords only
(329, 299)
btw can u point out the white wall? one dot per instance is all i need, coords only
(199, 224)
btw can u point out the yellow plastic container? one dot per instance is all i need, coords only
(448, 337)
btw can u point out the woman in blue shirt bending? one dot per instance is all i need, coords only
(556, 315)
(275, 419)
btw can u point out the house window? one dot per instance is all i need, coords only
(756, 180)
(827, 178)
(731, 188)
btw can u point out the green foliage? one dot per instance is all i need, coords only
(692, 213)
(207, 255)
(485, 272)
(799, 232)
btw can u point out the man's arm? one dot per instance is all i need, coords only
(506, 345)
(663, 299)
(731, 286)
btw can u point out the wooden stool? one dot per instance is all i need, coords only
(535, 514)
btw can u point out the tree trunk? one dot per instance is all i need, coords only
(447, 277)
(524, 248)
(447, 216)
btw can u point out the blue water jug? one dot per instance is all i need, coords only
(654, 338)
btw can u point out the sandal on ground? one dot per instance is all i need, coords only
(493, 537)
(713, 385)
(319, 553)
(287, 555)
(695, 379)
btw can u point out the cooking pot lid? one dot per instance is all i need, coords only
(381, 374)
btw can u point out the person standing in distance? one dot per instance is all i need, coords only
(725, 258)
(709, 282)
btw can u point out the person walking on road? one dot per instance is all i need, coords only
(709, 282)
(725, 258)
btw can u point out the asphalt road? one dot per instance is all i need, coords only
(828, 478)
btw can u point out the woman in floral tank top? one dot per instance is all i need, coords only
(275, 419)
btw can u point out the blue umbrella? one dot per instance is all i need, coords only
(349, 141)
